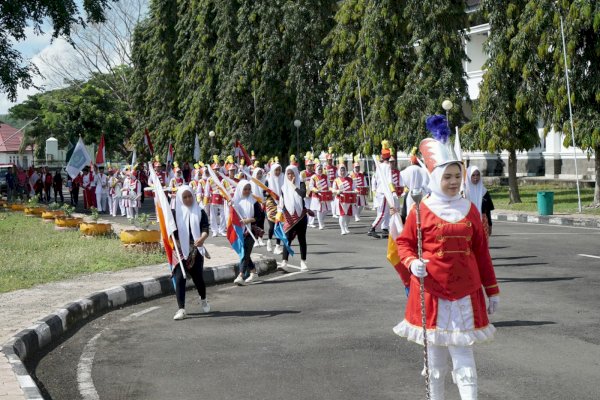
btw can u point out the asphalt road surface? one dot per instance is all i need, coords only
(327, 333)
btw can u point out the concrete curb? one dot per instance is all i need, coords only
(51, 329)
(546, 219)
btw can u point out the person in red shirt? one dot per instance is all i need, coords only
(456, 267)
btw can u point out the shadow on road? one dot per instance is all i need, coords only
(512, 258)
(517, 323)
(527, 280)
(264, 314)
(296, 280)
(519, 265)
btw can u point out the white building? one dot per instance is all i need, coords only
(10, 143)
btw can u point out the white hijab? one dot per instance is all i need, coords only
(257, 190)
(186, 218)
(412, 178)
(473, 192)
(244, 205)
(275, 183)
(293, 202)
(450, 208)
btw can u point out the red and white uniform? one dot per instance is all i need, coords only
(360, 182)
(331, 173)
(213, 194)
(132, 194)
(341, 186)
(174, 184)
(89, 190)
(319, 183)
(397, 182)
(459, 270)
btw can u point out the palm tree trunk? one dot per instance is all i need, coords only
(513, 185)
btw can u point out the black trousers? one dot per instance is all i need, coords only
(298, 230)
(197, 274)
(272, 231)
(74, 196)
(57, 193)
(247, 265)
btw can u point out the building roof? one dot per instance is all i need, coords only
(10, 138)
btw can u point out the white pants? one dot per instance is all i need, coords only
(123, 208)
(344, 221)
(101, 200)
(110, 205)
(464, 373)
(114, 204)
(383, 216)
(217, 219)
(132, 210)
(357, 211)
(320, 218)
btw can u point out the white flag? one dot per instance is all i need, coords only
(133, 159)
(457, 148)
(80, 158)
(162, 203)
(196, 149)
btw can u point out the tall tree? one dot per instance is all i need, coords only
(437, 29)
(17, 15)
(502, 117)
(540, 32)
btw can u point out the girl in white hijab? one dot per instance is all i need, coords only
(259, 195)
(192, 231)
(275, 182)
(294, 214)
(412, 178)
(251, 215)
(478, 195)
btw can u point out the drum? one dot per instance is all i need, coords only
(149, 192)
(363, 191)
(325, 196)
(348, 198)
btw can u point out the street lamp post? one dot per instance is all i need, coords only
(297, 124)
(211, 134)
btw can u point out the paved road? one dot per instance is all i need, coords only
(326, 334)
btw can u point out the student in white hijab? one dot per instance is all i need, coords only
(259, 195)
(478, 194)
(251, 214)
(192, 231)
(412, 178)
(294, 215)
(275, 181)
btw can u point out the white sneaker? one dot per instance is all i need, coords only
(303, 267)
(282, 266)
(269, 246)
(214, 234)
(179, 315)
(205, 305)
(321, 227)
(255, 244)
(357, 219)
(278, 249)
(260, 242)
(252, 278)
(224, 234)
(312, 226)
(239, 281)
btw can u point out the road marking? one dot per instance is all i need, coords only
(139, 313)
(85, 382)
(265, 280)
(588, 255)
(545, 225)
(282, 276)
(552, 233)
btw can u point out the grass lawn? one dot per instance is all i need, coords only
(33, 252)
(565, 199)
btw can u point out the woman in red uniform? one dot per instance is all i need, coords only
(456, 266)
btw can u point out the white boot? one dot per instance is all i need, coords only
(282, 266)
(466, 380)
(278, 249)
(269, 246)
(179, 315)
(437, 383)
(303, 266)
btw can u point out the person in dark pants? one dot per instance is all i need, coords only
(478, 195)
(11, 183)
(252, 217)
(294, 215)
(192, 231)
(75, 185)
(57, 185)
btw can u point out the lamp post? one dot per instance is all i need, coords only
(447, 106)
(297, 124)
(212, 134)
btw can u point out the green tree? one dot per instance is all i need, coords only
(503, 119)
(437, 29)
(17, 15)
(538, 47)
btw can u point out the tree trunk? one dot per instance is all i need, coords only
(513, 185)
(597, 172)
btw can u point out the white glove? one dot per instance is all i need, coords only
(494, 303)
(419, 268)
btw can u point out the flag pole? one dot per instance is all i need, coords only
(179, 258)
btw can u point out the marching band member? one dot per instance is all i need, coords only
(87, 180)
(160, 173)
(345, 196)
(192, 231)
(330, 171)
(321, 195)
(412, 178)
(306, 175)
(251, 215)
(213, 194)
(114, 193)
(132, 194)
(293, 212)
(175, 183)
(383, 209)
(360, 182)
(101, 190)
(294, 160)
(231, 182)
(259, 195)
(456, 267)
(478, 195)
(275, 182)
(396, 178)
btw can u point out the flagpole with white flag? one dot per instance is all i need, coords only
(133, 159)
(80, 158)
(196, 149)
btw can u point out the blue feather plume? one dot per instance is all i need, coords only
(438, 126)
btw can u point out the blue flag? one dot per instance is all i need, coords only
(280, 234)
